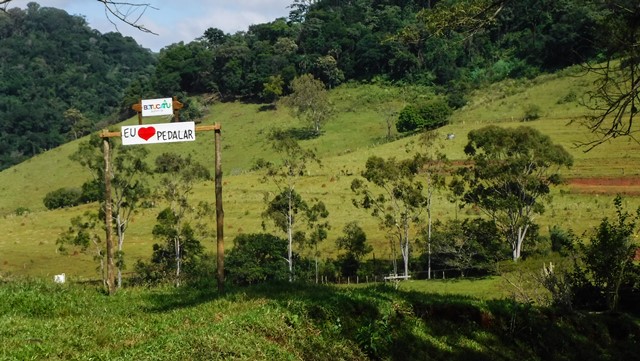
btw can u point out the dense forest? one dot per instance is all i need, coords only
(52, 62)
(59, 78)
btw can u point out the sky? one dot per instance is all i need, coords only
(175, 20)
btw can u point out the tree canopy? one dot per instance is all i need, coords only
(510, 172)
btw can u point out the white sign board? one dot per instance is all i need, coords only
(158, 133)
(154, 107)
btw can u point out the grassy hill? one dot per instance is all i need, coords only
(27, 242)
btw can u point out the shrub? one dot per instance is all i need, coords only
(257, 258)
(409, 119)
(531, 112)
(430, 115)
(435, 114)
(62, 198)
(607, 270)
(21, 211)
(92, 191)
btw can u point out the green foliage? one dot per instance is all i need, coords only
(354, 242)
(21, 211)
(394, 197)
(531, 112)
(177, 258)
(409, 119)
(283, 210)
(273, 88)
(180, 256)
(257, 258)
(607, 270)
(428, 116)
(309, 101)
(62, 198)
(470, 245)
(192, 110)
(58, 77)
(562, 241)
(84, 233)
(511, 173)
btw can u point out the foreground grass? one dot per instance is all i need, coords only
(295, 322)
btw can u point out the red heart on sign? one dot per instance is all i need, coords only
(147, 132)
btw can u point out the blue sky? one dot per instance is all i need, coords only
(174, 21)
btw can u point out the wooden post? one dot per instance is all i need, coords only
(108, 217)
(138, 109)
(219, 211)
(176, 110)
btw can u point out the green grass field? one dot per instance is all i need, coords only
(45, 321)
(358, 131)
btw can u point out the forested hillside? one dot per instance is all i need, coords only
(406, 41)
(51, 62)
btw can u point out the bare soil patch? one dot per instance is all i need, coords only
(605, 185)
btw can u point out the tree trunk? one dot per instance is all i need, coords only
(517, 246)
(290, 234)
(178, 260)
(429, 237)
(405, 250)
(120, 247)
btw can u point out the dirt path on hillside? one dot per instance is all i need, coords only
(605, 185)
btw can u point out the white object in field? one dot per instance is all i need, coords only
(61, 278)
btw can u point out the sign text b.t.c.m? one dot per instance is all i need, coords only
(154, 107)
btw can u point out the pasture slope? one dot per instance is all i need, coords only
(434, 320)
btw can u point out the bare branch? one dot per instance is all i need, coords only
(127, 12)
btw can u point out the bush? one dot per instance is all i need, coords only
(257, 258)
(62, 198)
(531, 112)
(21, 211)
(409, 119)
(92, 191)
(431, 115)
(435, 114)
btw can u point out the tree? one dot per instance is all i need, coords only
(82, 234)
(257, 258)
(309, 101)
(394, 196)
(129, 184)
(509, 174)
(318, 226)
(182, 247)
(273, 88)
(354, 242)
(287, 203)
(79, 124)
(616, 98)
(465, 244)
(284, 210)
(606, 264)
(434, 167)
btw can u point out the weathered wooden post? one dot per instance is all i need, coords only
(111, 286)
(219, 210)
